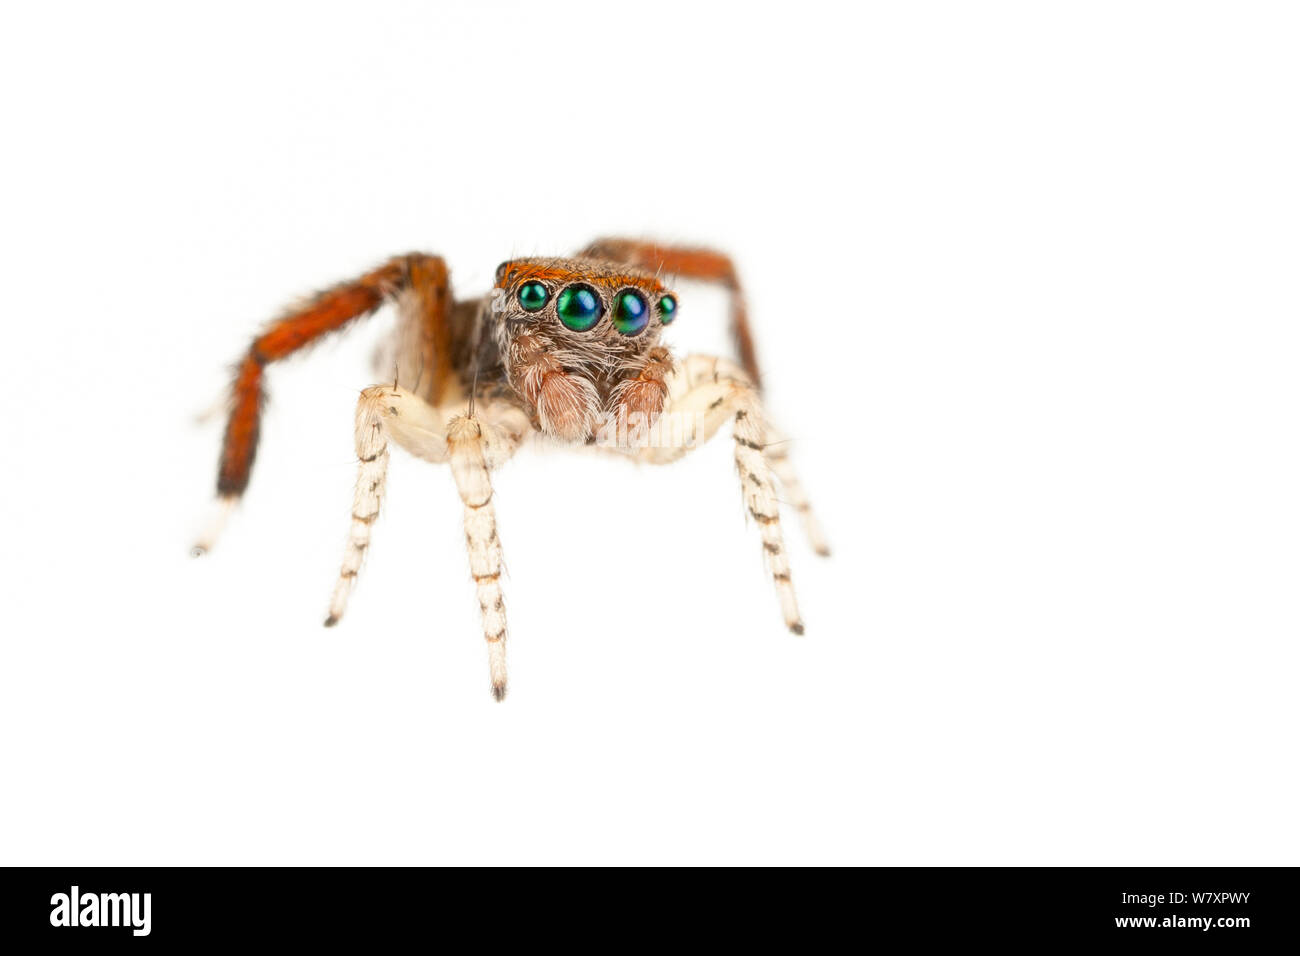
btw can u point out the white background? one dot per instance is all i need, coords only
(1024, 283)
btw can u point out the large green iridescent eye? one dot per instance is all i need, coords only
(579, 307)
(631, 314)
(667, 309)
(533, 296)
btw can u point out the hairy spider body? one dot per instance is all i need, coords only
(567, 348)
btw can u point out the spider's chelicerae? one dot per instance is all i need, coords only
(565, 347)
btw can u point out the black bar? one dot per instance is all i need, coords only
(1223, 907)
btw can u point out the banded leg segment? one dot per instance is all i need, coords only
(473, 446)
(419, 279)
(778, 458)
(750, 434)
(383, 411)
(476, 445)
(707, 392)
(705, 265)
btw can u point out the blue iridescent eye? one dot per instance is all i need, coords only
(667, 309)
(631, 314)
(579, 307)
(533, 296)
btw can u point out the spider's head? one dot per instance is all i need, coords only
(580, 338)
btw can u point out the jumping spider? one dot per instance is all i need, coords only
(562, 347)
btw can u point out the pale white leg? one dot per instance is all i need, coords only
(382, 411)
(703, 393)
(750, 434)
(778, 458)
(475, 446)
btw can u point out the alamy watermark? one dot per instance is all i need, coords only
(101, 909)
(624, 429)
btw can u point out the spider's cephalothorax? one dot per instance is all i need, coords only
(560, 347)
(579, 338)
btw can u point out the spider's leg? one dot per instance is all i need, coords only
(708, 265)
(705, 265)
(383, 412)
(776, 449)
(417, 279)
(703, 393)
(475, 446)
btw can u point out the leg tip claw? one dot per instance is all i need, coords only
(498, 692)
(331, 621)
(797, 628)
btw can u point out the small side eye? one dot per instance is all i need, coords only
(631, 314)
(667, 309)
(533, 296)
(579, 307)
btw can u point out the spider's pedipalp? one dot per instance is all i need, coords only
(641, 388)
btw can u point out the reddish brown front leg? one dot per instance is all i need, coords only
(424, 276)
(705, 265)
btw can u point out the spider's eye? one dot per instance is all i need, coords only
(579, 307)
(631, 314)
(667, 309)
(532, 296)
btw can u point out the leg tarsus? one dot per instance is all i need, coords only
(778, 458)
(221, 512)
